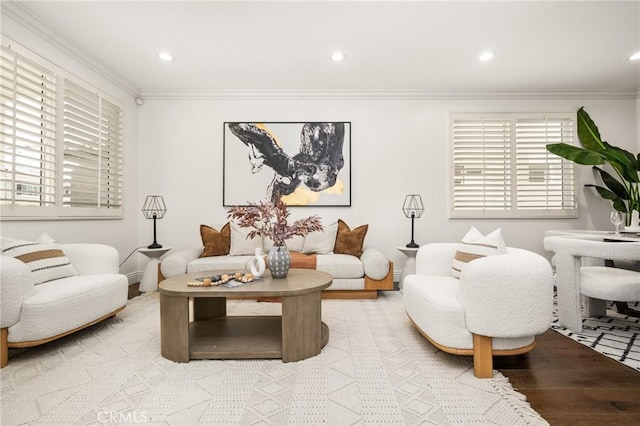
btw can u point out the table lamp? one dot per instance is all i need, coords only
(413, 208)
(154, 208)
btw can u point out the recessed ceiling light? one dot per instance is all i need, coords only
(635, 57)
(485, 56)
(165, 56)
(337, 56)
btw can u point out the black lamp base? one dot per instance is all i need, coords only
(412, 244)
(154, 245)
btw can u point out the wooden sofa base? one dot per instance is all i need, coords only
(5, 344)
(482, 352)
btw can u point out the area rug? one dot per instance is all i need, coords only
(376, 369)
(614, 335)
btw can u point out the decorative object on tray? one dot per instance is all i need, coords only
(623, 192)
(269, 219)
(257, 265)
(307, 164)
(223, 279)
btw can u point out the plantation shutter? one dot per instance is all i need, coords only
(481, 166)
(28, 134)
(545, 182)
(501, 166)
(92, 150)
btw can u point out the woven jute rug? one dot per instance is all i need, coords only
(614, 335)
(376, 368)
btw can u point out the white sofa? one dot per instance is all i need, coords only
(353, 277)
(497, 306)
(32, 315)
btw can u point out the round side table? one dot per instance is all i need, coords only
(409, 264)
(149, 281)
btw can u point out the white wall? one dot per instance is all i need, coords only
(398, 147)
(121, 233)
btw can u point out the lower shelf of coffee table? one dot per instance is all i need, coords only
(239, 337)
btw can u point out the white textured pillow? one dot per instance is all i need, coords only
(294, 243)
(321, 242)
(47, 261)
(474, 245)
(240, 244)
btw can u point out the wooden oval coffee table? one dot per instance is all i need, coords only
(296, 335)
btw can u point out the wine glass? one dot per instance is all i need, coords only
(617, 218)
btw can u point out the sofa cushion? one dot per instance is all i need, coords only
(219, 263)
(295, 243)
(240, 244)
(321, 242)
(215, 243)
(350, 241)
(340, 266)
(475, 245)
(68, 303)
(46, 261)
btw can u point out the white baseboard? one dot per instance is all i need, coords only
(134, 277)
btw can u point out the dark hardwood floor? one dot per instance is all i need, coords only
(568, 383)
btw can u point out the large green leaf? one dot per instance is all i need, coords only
(618, 203)
(588, 132)
(612, 183)
(623, 161)
(576, 154)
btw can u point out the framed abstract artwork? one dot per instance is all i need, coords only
(304, 164)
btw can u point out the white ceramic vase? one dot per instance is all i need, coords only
(257, 265)
(635, 221)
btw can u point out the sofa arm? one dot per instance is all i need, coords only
(16, 286)
(507, 295)
(176, 263)
(376, 264)
(90, 259)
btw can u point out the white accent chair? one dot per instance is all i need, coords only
(581, 286)
(32, 315)
(497, 307)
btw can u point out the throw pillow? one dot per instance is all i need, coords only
(295, 243)
(350, 241)
(321, 242)
(215, 243)
(474, 245)
(240, 244)
(47, 261)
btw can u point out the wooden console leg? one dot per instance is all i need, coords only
(482, 357)
(4, 347)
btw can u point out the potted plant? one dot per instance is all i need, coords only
(272, 220)
(624, 190)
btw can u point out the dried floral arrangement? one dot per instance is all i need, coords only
(272, 220)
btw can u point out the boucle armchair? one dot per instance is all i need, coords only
(497, 306)
(578, 279)
(33, 314)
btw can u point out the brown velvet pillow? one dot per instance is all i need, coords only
(215, 243)
(350, 241)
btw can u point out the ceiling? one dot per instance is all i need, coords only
(389, 46)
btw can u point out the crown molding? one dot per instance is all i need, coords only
(22, 15)
(407, 94)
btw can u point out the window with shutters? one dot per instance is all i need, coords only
(500, 166)
(61, 142)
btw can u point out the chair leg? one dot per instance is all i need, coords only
(4, 348)
(594, 307)
(482, 357)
